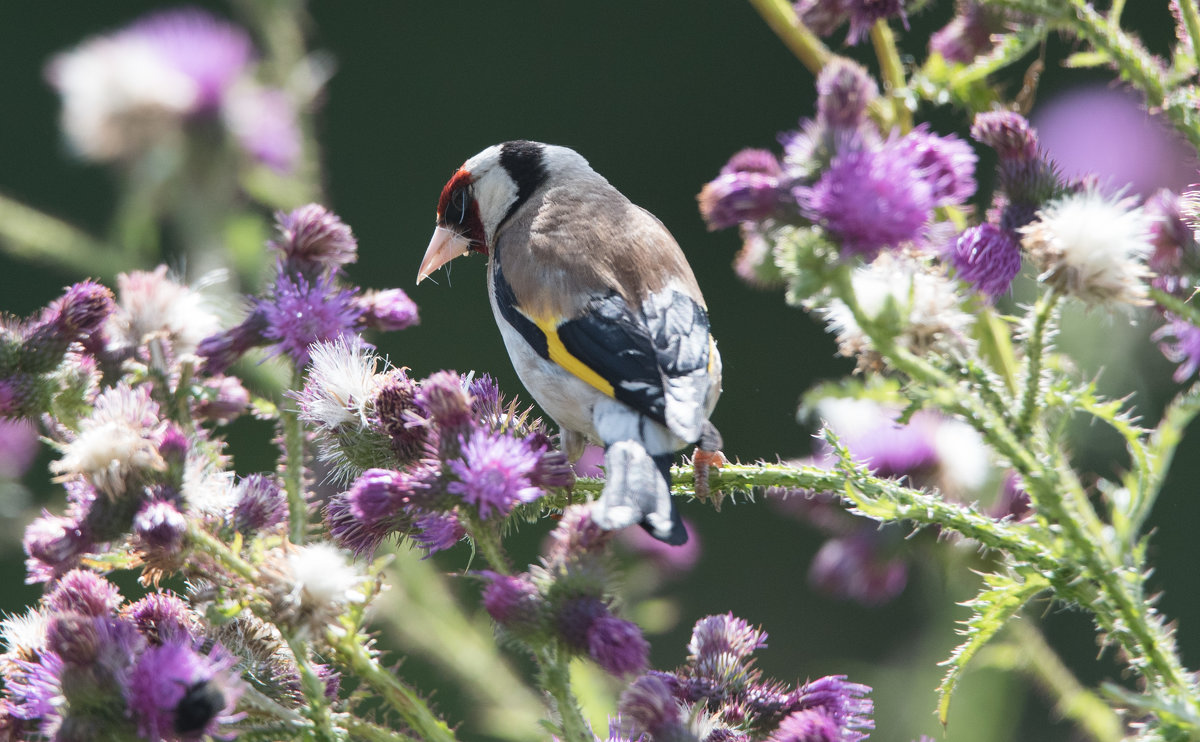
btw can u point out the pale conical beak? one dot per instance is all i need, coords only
(445, 246)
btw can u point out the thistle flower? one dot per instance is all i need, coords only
(395, 411)
(494, 473)
(84, 592)
(1008, 133)
(513, 602)
(261, 504)
(314, 240)
(844, 92)
(388, 310)
(715, 637)
(1092, 247)
(160, 528)
(264, 122)
(75, 316)
(53, 545)
(311, 586)
(749, 189)
(844, 702)
(1176, 256)
(222, 399)
(824, 16)
(177, 693)
(855, 568)
(222, 350)
(648, 707)
(870, 198)
(968, 34)
(1179, 341)
(340, 384)
(435, 531)
(948, 162)
(116, 442)
(163, 618)
(617, 645)
(988, 258)
(300, 312)
(153, 305)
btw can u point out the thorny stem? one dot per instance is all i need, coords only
(1191, 20)
(1035, 349)
(352, 652)
(365, 730)
(293, 473)
(893, 73)
(556, 680)
(222, 554)
(316, 707)
(486, 540)
(782, 18)
(1176, 306)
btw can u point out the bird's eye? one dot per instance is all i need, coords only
(457, 211)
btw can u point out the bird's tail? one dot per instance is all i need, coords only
(637, 489)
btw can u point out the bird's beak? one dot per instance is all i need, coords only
(445, 246)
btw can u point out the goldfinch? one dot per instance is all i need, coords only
(600, 313)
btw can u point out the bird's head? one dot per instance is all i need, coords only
(486, 191)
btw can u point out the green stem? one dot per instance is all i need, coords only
(370, 732)
(782, 18)
(391, 690)
(208, 544)
(293, 473)
(1185, 310)
(316, 708)
(556, 680)
(1191, 20)
(29, 234)
(1071, 699)
(892, 70)
(486, 539)
(1163, 444)
(1035, 350)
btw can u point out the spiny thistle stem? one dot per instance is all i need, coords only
(205, 542)
(316, 707)
(351, 650)
(1191, 21)
(556, 680)
(892, 69)
(1043, 313)
(293, 473)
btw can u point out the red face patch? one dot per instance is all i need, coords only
(459, 211)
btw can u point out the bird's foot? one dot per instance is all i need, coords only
(702, 461)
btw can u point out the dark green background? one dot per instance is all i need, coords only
(656, 95)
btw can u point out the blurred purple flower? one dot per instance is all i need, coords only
(1179, 341)
(312, 239)
(435, 532)
(18, 447)
(949, 164)
(264, 122)
(176, 692)
(748, 189)
(1087, 130)
(211, 52)
(988, 258)
(844, 92)
(85, 592)
(968, 34)
(388, 310)
(261, 504)
(617, 645)
(852, 568)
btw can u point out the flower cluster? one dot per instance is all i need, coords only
(561, 602)
(427, 457)
(307, 302)
(85, 660)
(167, 74)
(718, 694)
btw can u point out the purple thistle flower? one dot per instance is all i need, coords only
(617, 645)
(1014, 501)
(351, 532)
(163, 618)
(576, 538)
(299, 313)
(313, 240)
(447, 403)
(176, 692)
(844, 702)
(749, 189)
(1176, 254)
(968, 34)
(261, 504)
(264, 122)
(222, 399)
(574, 618)
(554, 469)
(222, 350)
(853, 568)
(1008, 133)
(84, 592)
(809, 725)
(988, 258)
(395, 407)
(34, 691)
(53, 545)
(844, 91)
(513, 602)
(870, 199)
(723, 635)
(389, 310)
(381, 501)
(1179, 341)
(81, 310)
(211, 52)
(173, 445)
(435, 532)
(949, 164)
(824, 16)
(494, 473)
(159, 527)
(648, 707)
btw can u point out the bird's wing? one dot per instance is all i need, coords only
(657, 359)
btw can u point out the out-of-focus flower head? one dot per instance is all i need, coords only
(749, 189)
(1175, 260)
(1179, 341)
(825, 16)
(969, 32)
(177, 692)
(151, 305)
(128, 91)
(313, 240)
(311, 586)
(988, 258)
(1092, 247)
(1026, 178)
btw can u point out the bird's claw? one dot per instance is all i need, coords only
(702, 461)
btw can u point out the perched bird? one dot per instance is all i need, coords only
(600, 313)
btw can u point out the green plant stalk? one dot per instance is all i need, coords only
(782, 19)
(892, 70)
(29, 234)
(1179, 307)
(352, 652)
(1043, 313)
(316, 707)
(1163, 443)
(556, 680)
(1029, 652)
(486, 540)
(365, 730)
(206, 543)
(293, 473)
(1191, 21)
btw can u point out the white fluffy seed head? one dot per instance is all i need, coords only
(342, 381)
(1092, 247)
